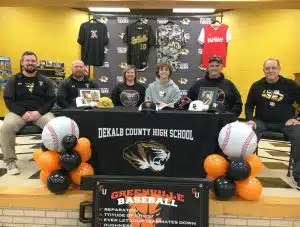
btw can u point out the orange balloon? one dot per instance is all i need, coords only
(83, 148)
(43, 176)
(49, 161)
(36, 154)
(84, 169)
(249, 189)
(215, 165)
(255, 163)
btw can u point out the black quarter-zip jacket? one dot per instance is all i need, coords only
(23, 94)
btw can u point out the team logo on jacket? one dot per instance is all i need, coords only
(103, 20)
(86, 85)
(147, 155)
(162, 93)
(182, 80)
(41, 83)
(273, 95)
(103, 79)
(185, 21)
(142, 80)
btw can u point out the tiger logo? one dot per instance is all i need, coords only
(147, 155)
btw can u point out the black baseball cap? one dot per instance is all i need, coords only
(148, 106)
(215, 58)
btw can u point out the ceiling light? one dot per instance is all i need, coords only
(108, 9)
(193, 10)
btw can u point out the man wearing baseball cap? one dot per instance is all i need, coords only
(228, 97)
(29, 97)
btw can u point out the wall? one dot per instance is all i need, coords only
(257, 35)
(51, 33)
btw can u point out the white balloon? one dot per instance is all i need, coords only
(237, 140)
(56, 129)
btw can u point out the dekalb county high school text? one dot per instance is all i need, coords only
(169, 133)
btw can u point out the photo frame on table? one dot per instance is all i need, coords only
(89, 95)
(208, 95)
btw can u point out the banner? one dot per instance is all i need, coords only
(189, 71)
(138, 203)
(167, 143)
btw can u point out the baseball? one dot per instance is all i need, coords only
(237, 140)
(56, 130)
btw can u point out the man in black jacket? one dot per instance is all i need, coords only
(68, 89)
(272, 97)
(29, 97)
(228, 97)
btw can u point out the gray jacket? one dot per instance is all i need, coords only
(167, 93)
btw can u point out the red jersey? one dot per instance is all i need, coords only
(214, 39)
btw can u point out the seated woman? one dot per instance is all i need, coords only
(163, 91)
(129, 93)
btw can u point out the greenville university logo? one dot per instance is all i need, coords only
(147, 155)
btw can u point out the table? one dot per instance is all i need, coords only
(166, 143)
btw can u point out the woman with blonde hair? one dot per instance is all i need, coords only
(129, 93)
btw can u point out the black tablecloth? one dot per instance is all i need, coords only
(155, 152)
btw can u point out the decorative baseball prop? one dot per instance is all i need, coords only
(56, 129)
(238, 169)
(237, 140)
(64, 155)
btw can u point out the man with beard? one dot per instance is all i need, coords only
(29, 97)
(228, 98)
(68, 89)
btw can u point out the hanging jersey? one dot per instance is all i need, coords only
(170, 40)
(139, 38)
(214, 39)
(93, 37)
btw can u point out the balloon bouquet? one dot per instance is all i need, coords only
(235, 174)
(63, 155)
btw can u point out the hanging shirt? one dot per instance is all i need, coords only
(214, 39)
(93, 37)
(139, 38)
(169, 39)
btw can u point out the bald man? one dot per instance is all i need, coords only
(68, 89)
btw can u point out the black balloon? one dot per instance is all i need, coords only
(238, 169)
(69, 160)
(58, 182)
(224, 188)
(69, 141)
(43, 147)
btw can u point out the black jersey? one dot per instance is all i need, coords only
(139, 38)
(93, 37)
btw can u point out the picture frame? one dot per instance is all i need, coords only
(89, 94)
(208, 95)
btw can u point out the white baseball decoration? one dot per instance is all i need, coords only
(237, 140)
(56, 130)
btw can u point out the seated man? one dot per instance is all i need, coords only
(68, 89)
(228, 97)
(272, 97)
(29, 97)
